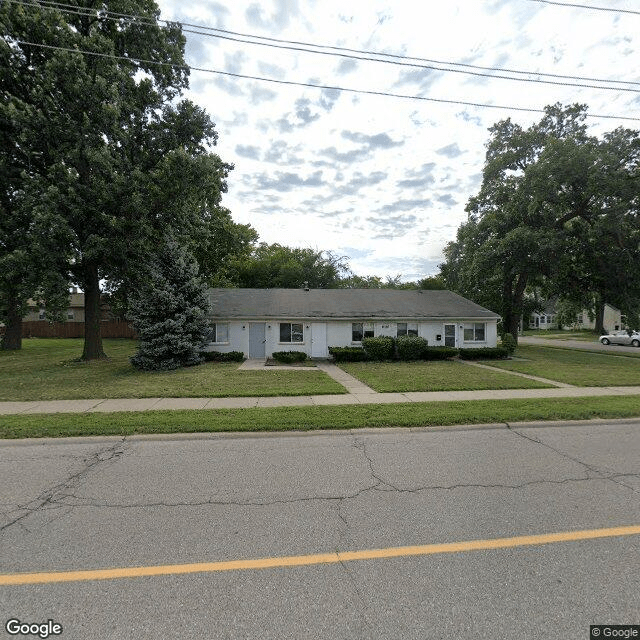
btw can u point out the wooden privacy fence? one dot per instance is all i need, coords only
(43, 329)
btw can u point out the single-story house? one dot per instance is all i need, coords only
(546, 319)
(261, 321)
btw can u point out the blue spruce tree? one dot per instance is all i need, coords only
(169, 311)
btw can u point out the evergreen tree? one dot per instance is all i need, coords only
(169, 311)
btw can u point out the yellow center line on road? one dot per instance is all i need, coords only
(321, 558)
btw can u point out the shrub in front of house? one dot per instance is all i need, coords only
(288, 357)
(217, 356)
(439, 353)
(379, 348)
(410, 347)
(348, 354)
(484, 353)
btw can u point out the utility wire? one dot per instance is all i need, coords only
(336, 51)
(587, 6)
(307, 84)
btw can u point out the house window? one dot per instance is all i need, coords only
(219, 332)
(407, 329)
(69, 315)
(548, 319)
(291, 332)
(474, 332)
(41, 315)
(361, 330)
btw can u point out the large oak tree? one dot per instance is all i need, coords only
(121, 159)
(556, 206)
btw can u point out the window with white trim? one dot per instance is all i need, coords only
(70, 315)
(291, 332)
(474, 332)
(361, 330)
(219, 332)
(407, 329)
(41, 314)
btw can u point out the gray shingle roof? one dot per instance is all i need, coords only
(342, 303)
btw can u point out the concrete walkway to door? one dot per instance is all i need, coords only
(351, 384)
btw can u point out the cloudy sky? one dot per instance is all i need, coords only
(385, 180)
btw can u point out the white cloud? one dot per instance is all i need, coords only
(385, 177)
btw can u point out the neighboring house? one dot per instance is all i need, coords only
(546, 319)
(36, 324)
(612, 320)
(73, 313)
(261, 321)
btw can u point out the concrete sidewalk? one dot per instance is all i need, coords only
(163, 404)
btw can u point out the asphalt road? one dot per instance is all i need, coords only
(137, 503)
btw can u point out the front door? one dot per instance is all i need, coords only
(256, 340)
(319, 340)
(449, 335)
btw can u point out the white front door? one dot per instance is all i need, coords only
(256, 340)
(319, 340)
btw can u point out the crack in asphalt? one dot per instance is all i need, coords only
(84, 502)
(61, 496)
(366, 624)
(48, 500)
(599, 473)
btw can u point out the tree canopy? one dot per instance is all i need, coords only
(121, 160)
(276, 265)
(556, 207)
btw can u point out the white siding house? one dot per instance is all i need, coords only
(547, 319)
(261, 321)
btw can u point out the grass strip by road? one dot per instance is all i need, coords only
(313, 418)
(584, 335)
(334, 557)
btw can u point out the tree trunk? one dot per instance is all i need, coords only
(512, 303)
(511, 325)
(599, 328)
(12, 339)
(92, 315)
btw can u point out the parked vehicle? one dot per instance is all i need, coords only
(622, 337)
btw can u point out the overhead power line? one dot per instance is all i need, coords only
(361, 55)
(587, 6)
(311, 85)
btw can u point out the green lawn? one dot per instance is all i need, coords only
(311, 418)
(580, 368)
(45, 369)
(554, 334)
(434, 376)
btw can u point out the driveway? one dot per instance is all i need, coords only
(577, 344)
